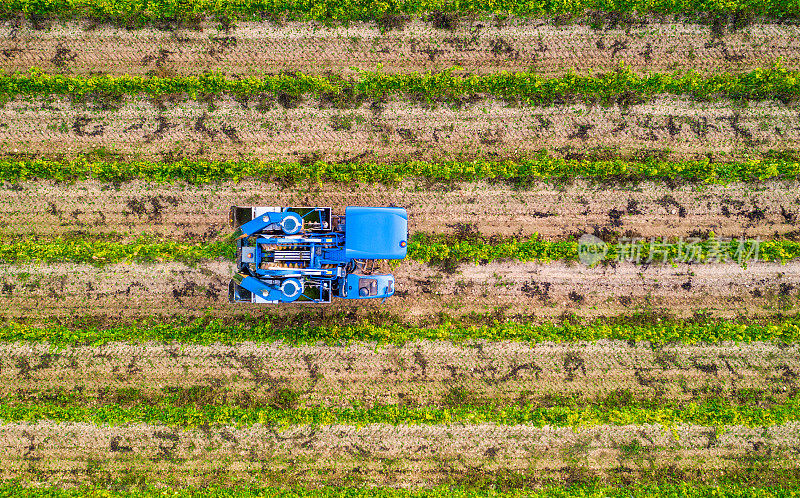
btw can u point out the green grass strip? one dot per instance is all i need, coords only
(596, 490)
(541, 167)
(266, 329)
(170, 410)
(760, 83)
(434, 249)
(140, 11)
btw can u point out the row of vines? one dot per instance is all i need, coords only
(542, 166)
(329, 11)
(642, 490)
(169, 409)
(619, 85)
(425, 248)
(206, 330)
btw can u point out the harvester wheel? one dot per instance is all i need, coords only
(291, 287)
(291, 224)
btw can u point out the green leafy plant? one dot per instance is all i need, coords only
(612, 87)
(140, 12)
(426, 248)
(591, 490)
(166, 410)
(540, 167)
(207, 330)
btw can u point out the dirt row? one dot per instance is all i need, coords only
(79, 453)
(555, 210)
(418, 373)
(282, 128)
(122, 292)
(480, 46)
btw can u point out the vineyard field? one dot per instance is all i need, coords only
(508, 362)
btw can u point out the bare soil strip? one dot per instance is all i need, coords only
(555, 210)
(263, 128)
(418, 373)
(480, 46)
(125, 291)
(73, 453)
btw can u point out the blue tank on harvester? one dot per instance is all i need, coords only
(307, 254)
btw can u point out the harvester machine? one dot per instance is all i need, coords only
(307, 254)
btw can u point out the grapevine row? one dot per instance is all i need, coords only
(541, 166)
(449, 250)
(433, 249)
(142, 11)
(640, 490)
(209, 331)
(621, 85)
(170, 410)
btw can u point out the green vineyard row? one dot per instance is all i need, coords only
(141, 11)
(447, 250)
(541, 167)
(621, 85)
(267, 328)
(101, 252)
(170, 409)
(641, 490)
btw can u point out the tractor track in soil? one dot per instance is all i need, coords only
(119, 293)
(555, 210)
(253, 48)
(271, 128)
(399, 456)
(420, 373)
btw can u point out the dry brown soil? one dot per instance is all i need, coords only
(265, 128)
(79, 453)
(554, 210)
(417, 373)
(479, 46)
(121, 292)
